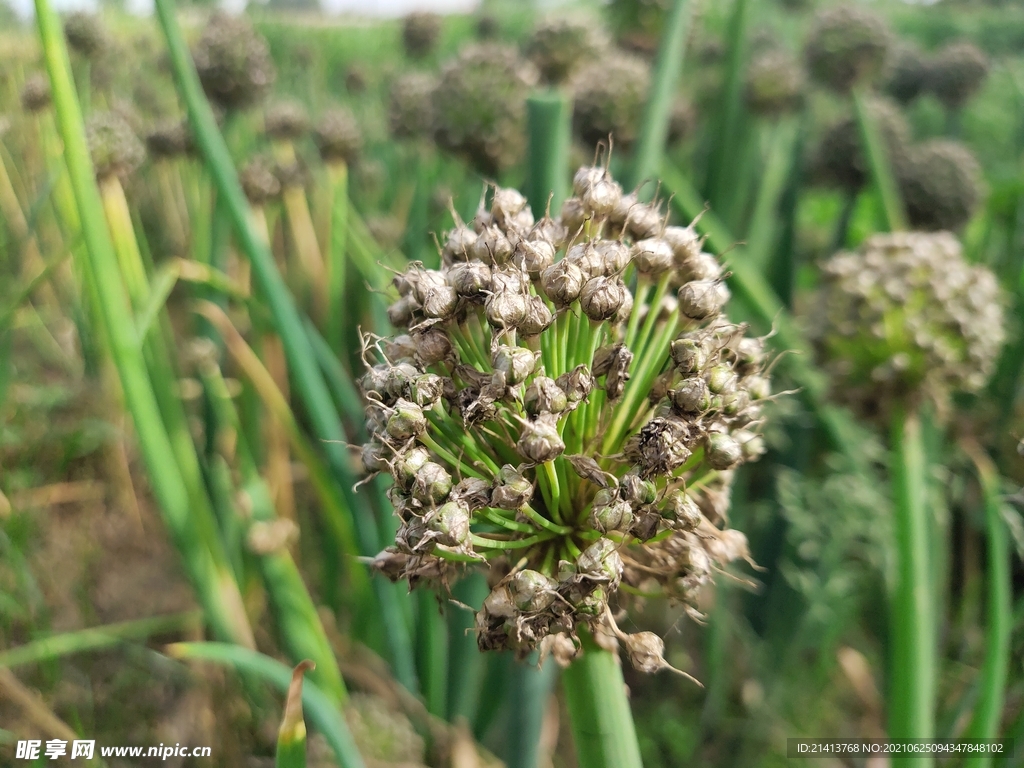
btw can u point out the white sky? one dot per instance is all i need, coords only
(361, 7)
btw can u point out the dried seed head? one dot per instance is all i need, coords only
(775, 83)
(420, 32)
(233, 62)
(840, 160)
(609, 98)
(35, 94)
(956, 73)
(85, 33)
(411, 105)
(558, 47)
(506, 309)
(653, 256)
(543, 395)
(259, 182)
(113, 145)
(539, 441)
(338, 136)
(538, 317)
(940, 184)
(907, 73)
(285, 120)
(169, 139)
(847, 46)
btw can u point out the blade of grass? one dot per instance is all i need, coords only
(722, 170)
(998, 612)
(880, 164)
(216, 590)
(319, 709)
(337, 181)
(913, 641)
(658, 110)
(291, 737)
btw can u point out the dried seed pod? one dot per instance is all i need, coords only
(512, 490)
(597, 190)
(233, 62)
(660, 446)
(562, 283)
(492, 246)
(450, 524)
(440, 302)
(646, 652)
(682, 511)
(539, 440)
(601, 562)
(506, 309)
(532, 591)
(506, 205)
(577, 384)
(689, 355)
(615, 256)
(431, 484)
(534, 256)
(701, 299)
(602, 297)
(686, 246)
(433, 346)
(470, 279)
(574, 215)
(543, 395)
(426, 390)
(636, 490)
(613, 362)
(538, 317)
(653, 256)
(644, 221)
(374, 456)
(474, 491)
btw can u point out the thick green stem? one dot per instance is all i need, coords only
(912, 635)
(999, 614)
(599, 713)
(549, 129)
(880, 163)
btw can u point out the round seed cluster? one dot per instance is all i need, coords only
(411, 105)
(907, 74)
(940, 184)
(233, 62)
(563, 406)
(285, 121)
(338, 136)
(85, 33)
(956, 73)
(259, 180)
(481, 106)
(906, 316)
(775, 83)
(840, 160)
(559, 46)
(847, 46)
(170, 138)
(610, 95)
(420, 31)
(35, 94)
(113, 145)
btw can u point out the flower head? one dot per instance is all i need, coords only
(113, 144)
(233, 62)
(570, 455)
(847, 46)
(941, 185)
(956, 73)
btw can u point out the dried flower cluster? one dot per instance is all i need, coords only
(169, 139)
(338, 136)
(115, 148)
(847, 46)
(558, 47)
(907, 317)
(775, 83)
(420, 32)
(285, 120)
(35, 94)
(259, 180)
(941, 185)
(411, 105)
(85, 34)
(956, 73)
(564, 407)
(906, 74)
(233, 62)
(609, 98)
(840, 158)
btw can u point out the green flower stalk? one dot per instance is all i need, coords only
(847, 46)
(564, 409)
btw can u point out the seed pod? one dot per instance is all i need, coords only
(660, 447)
(615, 516)
(539, 441)
(509, 278)
(689, 355)
(562, 283)
(758, 387)
(474, 491)
(407, 421)
(532, 591)
(398, 380)
(512, 490)
(941, 184)
(601, 562)
(721, 451)
(577, 384)
(550, 231)
(458, 246)
(506, 309)
(775, 84)
(721, 380)
(653, 256)
(498, 604)
(534, 256)
(701, 299)
(613, 362)
(614, 254)
(373, 455)
(402, 312)
(538, 317)
(450, 523)
(596, 189)
(587, 258)
(646, 652)
(644, 221)
(685, 243)
(752, 444)
(543, 395)
(426, 390)
(574, 215)
(588, 468)
(492, 246)
(516, 363)
(637, 491)
(691, 396)
(506, 205)
(682, 511)
(646, 523)
(433, 346)
(406, 465)
(470, 279)
(440, 302)
(602, 297)
(431, 484)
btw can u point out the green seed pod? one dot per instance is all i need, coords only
(682, 511)
(512, 490)
(411, 106)
(338, 136)
(233, 62)
(689, 355)
(450, 523)
(431, 484)
(539, 441)
(721, 380)
(692, 396)
(516, 363)
(614, 516)
(847, 46)
(285, 121)
(406, 466)
(940, 184)
(113, 145)
(407, 421)
(956, 73)
(474, 491)
(543, 395)
(636, 490)
(601, 562)
(420, 32)
(426, 390)
(721, 451)
(532, 591)
(610, 95)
